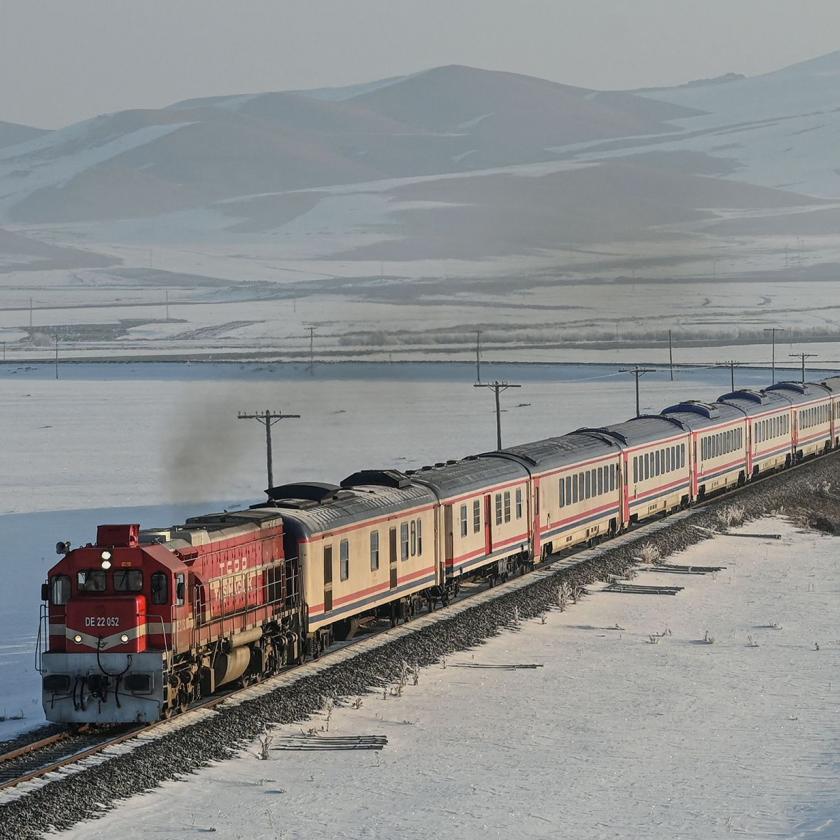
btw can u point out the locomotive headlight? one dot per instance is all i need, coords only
(106, 559)
(124, 638)
(77, 639)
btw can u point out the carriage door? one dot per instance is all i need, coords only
(488, 525)
(328, 574)
(392, 556)
(449, 548)
(536, 538)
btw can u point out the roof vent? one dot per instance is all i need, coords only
(707, 410)
(378, 478)
(745, 394)
(798, 387)
(313, 491)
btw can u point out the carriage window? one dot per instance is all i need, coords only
(60, 590)
(519, 504)
(562, 493)
(419, 536)
(587, 484)
(344, 559)
(612, 477)
(414, 534)
(463, 515)
(404, 540)
(507, 506)
(498, 508)
(476, 516)
(91, 580)
(635, 468)
(128, 580)
(600, 475)
(574, 489)
(160, 588)
(568, 490)
(374, 550)
(656, 463)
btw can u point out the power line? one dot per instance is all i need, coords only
(311, 329)
(803, 356)
(637, 372)
(731, 364)
(268, 419)
(498, 388)
(671, 355)
(773, 331)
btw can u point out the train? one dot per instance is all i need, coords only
(142, 624)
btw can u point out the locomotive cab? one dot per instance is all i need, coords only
(110, 612)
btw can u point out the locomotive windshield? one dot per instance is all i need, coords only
(128, 580)
(91, 580)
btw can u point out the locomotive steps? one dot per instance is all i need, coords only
(181, 746)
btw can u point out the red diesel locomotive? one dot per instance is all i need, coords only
(141, 624)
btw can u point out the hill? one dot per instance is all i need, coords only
(146, 162)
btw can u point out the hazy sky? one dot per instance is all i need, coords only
(64, 60)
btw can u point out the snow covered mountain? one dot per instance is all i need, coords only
(13, 133)
(779, 130)
(139, 163)
(447, 162)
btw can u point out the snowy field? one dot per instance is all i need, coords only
(613, 737)
(155, 443)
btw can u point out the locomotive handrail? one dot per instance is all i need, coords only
(162, 631)
(43, 621)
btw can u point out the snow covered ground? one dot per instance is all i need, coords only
(154, 443)
(613, 737)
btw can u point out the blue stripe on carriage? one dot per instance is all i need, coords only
(702, 479)
(670, 490)
(571, 526)
(362, 602)
(763, 456)
(485, 558)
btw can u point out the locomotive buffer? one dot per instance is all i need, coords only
(268, 419)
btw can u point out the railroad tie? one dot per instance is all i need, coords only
(635, 589)
(331, 742)
(686, 570)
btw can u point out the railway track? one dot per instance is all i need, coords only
(46, 755)
(41, 757)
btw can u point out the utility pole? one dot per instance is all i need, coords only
(803, 356)
(311, 349)
(497, 388)
(731, 364)
(478, 356)
(268, 419)
(637, 372)
(773, 331)
(671, 355)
